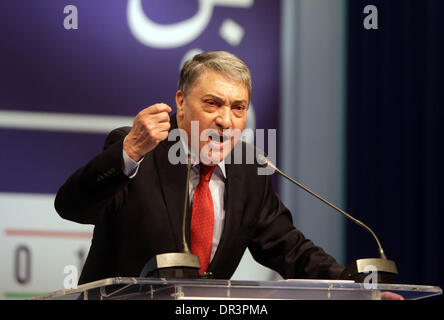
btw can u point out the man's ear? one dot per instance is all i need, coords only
(180, 101)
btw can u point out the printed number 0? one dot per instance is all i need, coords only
(22, 264)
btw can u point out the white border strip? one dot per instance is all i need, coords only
(51, 121)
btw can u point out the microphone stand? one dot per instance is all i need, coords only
(177, 265)
(358, 270)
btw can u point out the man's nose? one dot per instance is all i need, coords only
(224, 118)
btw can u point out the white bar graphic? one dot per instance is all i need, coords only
(52, 121)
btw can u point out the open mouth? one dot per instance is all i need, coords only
(217, 145)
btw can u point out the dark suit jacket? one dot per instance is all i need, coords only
(138, 218)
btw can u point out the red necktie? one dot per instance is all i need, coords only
(202, 218)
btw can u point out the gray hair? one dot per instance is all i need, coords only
(220, 61)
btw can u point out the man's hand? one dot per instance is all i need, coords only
(387, 295)
(150, 127)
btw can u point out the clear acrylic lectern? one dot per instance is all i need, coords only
(163, 289)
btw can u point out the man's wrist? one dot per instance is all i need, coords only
(130, 166)
(134, 155)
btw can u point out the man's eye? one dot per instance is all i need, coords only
(210, 102)
(239, 107)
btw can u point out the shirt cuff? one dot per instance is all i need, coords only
(130, 167)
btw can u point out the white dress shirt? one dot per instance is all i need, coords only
(217, 189)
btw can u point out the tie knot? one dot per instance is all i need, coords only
(206, 172)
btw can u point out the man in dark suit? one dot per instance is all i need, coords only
(133, 192)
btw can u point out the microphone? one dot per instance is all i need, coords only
(358, 270)
(177, 265)
(186, 249)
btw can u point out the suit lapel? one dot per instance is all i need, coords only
(173, 182)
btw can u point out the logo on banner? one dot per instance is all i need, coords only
(168, 36)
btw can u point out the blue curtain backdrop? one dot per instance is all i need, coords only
(395, 136)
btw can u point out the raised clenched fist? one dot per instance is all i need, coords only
(150, 127)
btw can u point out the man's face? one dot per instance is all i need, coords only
(219, 104)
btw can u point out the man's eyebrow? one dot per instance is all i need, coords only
(221, 100)
(218, 99)
(240, 102)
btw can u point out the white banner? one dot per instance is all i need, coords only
(37, 245)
